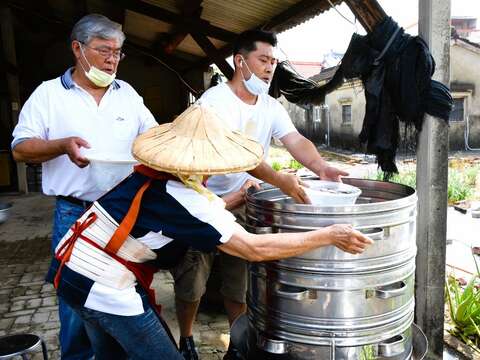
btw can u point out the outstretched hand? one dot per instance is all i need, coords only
(348, 239)
(331, 173)
(292, 186)
(72, 147)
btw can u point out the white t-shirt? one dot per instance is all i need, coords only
(262, 121)
(59, 108)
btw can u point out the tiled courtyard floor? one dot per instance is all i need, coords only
(29, 305)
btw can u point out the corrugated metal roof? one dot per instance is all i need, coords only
(238, 16)
(233, 16)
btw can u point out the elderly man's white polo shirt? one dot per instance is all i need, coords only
(59, 108)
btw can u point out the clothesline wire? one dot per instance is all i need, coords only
(354, 23)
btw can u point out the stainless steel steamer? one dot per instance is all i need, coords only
(327, 304)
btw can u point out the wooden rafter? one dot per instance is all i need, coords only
(190, 9)
(212, 53)
(368, 12)
(194, 25)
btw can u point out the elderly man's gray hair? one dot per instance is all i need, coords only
(97, 26)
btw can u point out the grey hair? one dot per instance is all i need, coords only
(96, 26)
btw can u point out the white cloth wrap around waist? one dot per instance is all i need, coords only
(96, 264)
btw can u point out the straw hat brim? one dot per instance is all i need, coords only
(199, 143)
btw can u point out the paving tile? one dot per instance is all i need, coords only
(28, 304)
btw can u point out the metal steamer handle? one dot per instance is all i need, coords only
(280, 347)
(271, 346)
(393, 347)
(376, 233)
(389, 291)
(293, 292)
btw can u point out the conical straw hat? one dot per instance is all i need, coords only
(197, 142)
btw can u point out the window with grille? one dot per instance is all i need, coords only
(346, 114)
(458, 112)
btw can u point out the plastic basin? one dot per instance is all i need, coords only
(329, 193)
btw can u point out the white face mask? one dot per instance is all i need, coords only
(254, 85)
(97, 76)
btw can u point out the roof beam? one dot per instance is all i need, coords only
(213, 54)
(193, 25)
(368, 12)
(170, 41)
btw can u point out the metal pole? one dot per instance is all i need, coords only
(432, 181)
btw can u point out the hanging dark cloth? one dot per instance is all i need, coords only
(298, 90)
(396, 70)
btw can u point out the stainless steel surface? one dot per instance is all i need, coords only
(339, 297)
(328, 304)
(318, 331)
(396, 347)
(244, 338)
(332, 280)
(385, 210)
(272, 346)
(4, 212)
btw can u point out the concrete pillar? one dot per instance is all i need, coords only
(8, 41)
(432, 180)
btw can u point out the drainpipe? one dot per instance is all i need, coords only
(326, 117)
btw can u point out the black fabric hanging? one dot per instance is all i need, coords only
(396, 70)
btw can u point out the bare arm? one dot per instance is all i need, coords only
(278, 246)
(237, 198)
(37, 150)
(306, 153)
(289, 184)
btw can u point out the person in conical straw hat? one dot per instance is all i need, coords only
(104, 265)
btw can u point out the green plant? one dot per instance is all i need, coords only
(276, 166)
(367, 353)
(458, 187)
(408, 178)
(461, 183)
(294, 164)
(464, 309)
(471, 174)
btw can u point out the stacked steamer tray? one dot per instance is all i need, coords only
(328, 304)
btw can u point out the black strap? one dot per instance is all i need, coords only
(73, 200)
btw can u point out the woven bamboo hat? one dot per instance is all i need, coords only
(197, 142)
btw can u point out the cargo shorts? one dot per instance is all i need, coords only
(192, 273)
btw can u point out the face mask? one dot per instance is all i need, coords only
(97, 76)
(254, 85)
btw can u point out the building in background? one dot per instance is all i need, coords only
(339, 121)
(466, 27)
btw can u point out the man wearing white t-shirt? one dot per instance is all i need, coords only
(84, 108)
(243, 102)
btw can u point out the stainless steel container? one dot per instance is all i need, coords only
(327, 304)
(252, 346)
(332, 302)
(384, 211)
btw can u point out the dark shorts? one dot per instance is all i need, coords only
(192, 274)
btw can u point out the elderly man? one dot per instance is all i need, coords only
(244, 103)
(86, 107)
(104, 265)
